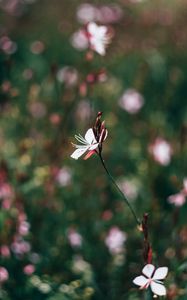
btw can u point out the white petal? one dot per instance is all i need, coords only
(160, 273)
(93, 147)
(79, 152)
(148, 270)
(102, 31)
(141, 281)
(92, 28)
(90, 137)
(99, 47)
(158, 288)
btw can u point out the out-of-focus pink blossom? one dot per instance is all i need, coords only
(20, 247)
(68, 76)
(6, 191)
(29, 269)
(79, 40)
(107, 215)
(55, 119)
(161, 151)
(177, 199)
(6, 86)
(3, 274)
(6, 203)
(185, 186)
(86, 12)
(37, 109)
(63, 177)
(23, 228)
(129, 187)
(105, 14)
(109, 14)
(115, 240)
(28, 74)
(37, 47)
(7, 45)
(131, 101)
(5, 251)
(75, 239)
(83, 111)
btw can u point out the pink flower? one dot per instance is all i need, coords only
(177, 199)
(5, 251)
(68, 76)
(23, 228)
(131, 101)
(115, 240)
(79, 40)
(3, 274)
(20, 247)
(86, 13)
(185, 186)
(161, 151)
(75, 239)
(29, 269)
(63, 176)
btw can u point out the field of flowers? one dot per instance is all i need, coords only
(93, 150)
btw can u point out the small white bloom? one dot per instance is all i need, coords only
(98, 37)
(89, 143)
(153, 279)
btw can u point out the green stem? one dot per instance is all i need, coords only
(119, 190)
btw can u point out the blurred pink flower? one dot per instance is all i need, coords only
(177, 199)
(83, 111)
(37, 47)
(29, 269)
(129, 187)
(6, 191)
(75, 239)
(7, 45)
(20, 247)
(37, 109)
(63, 177)
(180, 198)
(185, 186)
(108, 14)
(161, 151)
(68, 76)
(3, 274)
(86, 12)
(23, 228)
(5, 251)
(6, 203)
(79, 40)
(115, 240)
(131, 101)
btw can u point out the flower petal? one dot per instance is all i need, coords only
(89, 154)
(160, 273)
(158, 288)
(79, 152)
(92, 28)
(148, 270)
(90, 137)
(93, 147)
(141, 281)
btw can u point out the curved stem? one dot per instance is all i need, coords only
(119, 190)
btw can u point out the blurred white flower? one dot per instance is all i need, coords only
(98, 37)
(83, 111)
(131, 101)
(63, 176)
(130, 187)
(153, 279)
(89, 143)
(185, 186)
(161, 151)
(67, 75)
(115, 240)
(108, 14)
(23, 228)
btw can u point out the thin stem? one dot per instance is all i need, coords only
(119, 190)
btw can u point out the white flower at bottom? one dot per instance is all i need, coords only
(89, 143)
(153, 279)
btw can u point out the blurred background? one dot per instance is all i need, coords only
(65, 234)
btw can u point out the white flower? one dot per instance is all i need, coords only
(153, 279)
(89, 143)
(98, 37)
